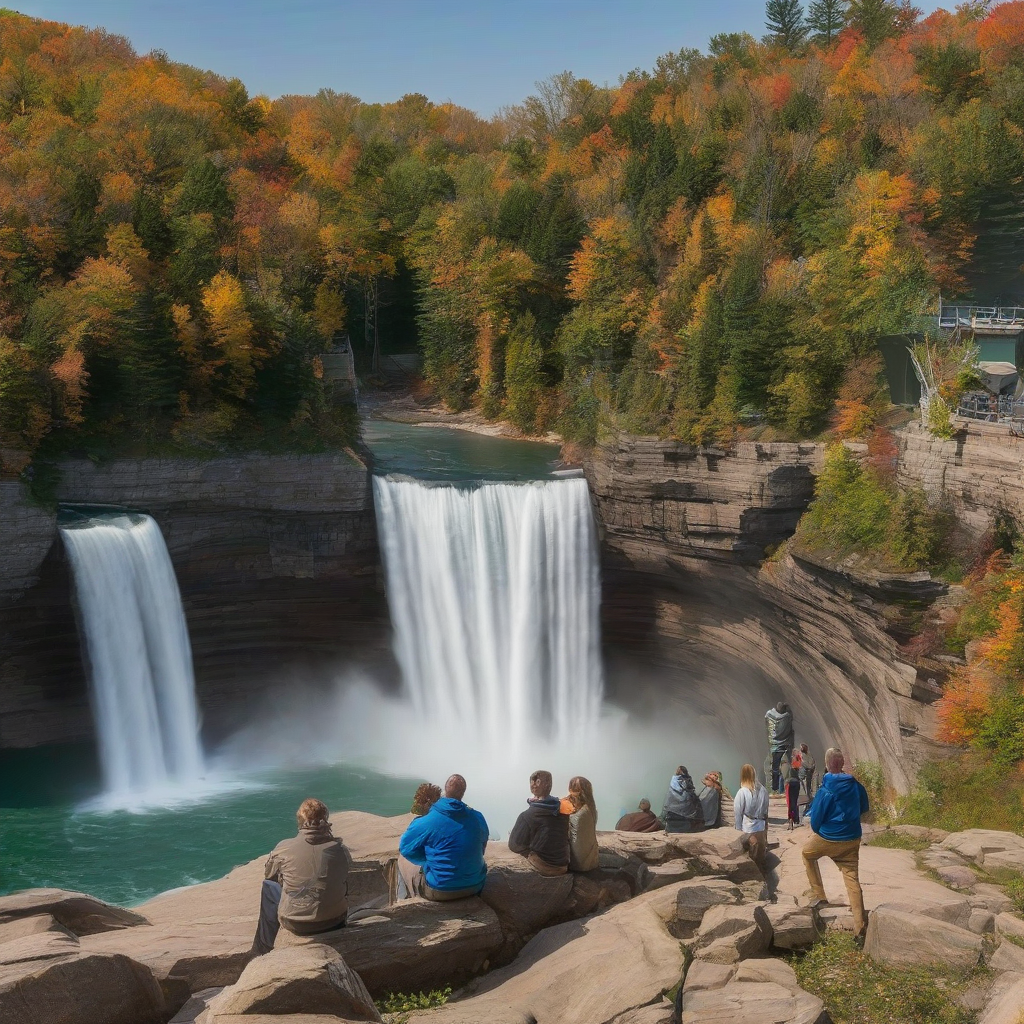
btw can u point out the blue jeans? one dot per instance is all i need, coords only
(268, 925)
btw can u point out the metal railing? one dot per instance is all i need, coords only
(1002, 318)
(1005, 409)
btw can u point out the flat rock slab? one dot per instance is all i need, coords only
(698, 895)
(988, 848)
(310, 979)
(1008, 957)
(626, 956)
(896, 936)
(729, 934)
(76, 911)
(88, 989)
(793, 927)
(49, 945)
(752, 1002)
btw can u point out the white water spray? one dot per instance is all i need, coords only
(138, 654)
(494, 593)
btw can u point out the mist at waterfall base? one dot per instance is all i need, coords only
(494, 595)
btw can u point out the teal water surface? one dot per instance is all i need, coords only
(444, 453)
(50, 837)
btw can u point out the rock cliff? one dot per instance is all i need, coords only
(277, 562)
(684, 602)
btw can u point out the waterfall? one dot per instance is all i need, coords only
(494, 594)
(138, 653)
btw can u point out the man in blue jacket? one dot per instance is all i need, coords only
(835, 820)
(442, 852)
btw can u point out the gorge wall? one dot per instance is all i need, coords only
(684, 595)
(277, 562)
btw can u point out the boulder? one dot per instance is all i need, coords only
(703, 974)
(982, 922)
(524, 900)
(592, 971)
(958, 876)
(1008, 957)
(990, 897)
(415, 945)
(759, 991)
(86, 989)
(301, 979)
(79, 913)
(989, 848)
(728, 934)
(698, 895)
(956, 911)
(1009, 924)
(1005, 1001)
(898, 936)
(793, 927)
(649, 847)
(836, 919)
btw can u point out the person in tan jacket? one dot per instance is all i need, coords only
(306, 884)
(583, 851)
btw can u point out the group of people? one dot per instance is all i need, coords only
(441, 852)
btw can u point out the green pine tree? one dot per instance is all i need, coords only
(877, 20)
(784, 20)
(825, 19)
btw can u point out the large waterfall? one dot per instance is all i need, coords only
(494, 594)
(138, 653)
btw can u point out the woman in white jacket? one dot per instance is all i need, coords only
(751, 810)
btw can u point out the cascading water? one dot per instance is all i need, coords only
(494, 593)
(138, 653)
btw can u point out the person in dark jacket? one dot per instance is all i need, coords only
(306, 881)
(642, 820)
(541, 832)
(682, 811)
(807, 767)
(441, 853)
(835, 815)
(779, 723)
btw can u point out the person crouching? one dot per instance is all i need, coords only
(441, 854)
(306, 886)
(541, 832)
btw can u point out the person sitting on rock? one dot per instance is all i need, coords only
(427, 794)
(541, 832)
(583, 851)
(441, 854)
(306, 884)
(835, 815)
(642, 820)
(779, 722)
(682, 811)
(750, 811)
(711, 799)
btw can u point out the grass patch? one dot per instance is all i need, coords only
(891, 839)
(396, 1004)
(857, 990)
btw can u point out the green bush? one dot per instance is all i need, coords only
(402, 1002)
(859, 990)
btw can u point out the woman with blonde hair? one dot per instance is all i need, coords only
(750, 809)
(583, 851)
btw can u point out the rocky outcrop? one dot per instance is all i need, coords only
(76, 911)
(276, 559)
(904, 937)
(683, 604)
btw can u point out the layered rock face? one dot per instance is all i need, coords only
(685, 604)
(276, 559)
(978, 472)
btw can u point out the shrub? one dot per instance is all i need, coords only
(402, 1002)
(859, 990)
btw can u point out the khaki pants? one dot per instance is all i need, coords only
(542, 867)
(846, 857)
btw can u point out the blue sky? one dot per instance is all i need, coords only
(481, 55)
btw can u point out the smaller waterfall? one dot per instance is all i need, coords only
(138, 653)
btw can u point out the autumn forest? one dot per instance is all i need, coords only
(709, 245)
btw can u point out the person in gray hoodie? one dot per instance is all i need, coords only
(682, 811)
(541, 832)
(779, 722)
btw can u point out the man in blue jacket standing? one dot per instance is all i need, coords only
(442, 852)
(835, 816)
